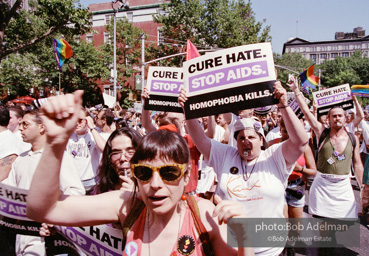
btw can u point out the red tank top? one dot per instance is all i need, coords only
(187, 243)
(295, 175)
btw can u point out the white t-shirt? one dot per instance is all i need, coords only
(262, 195)
(9, 144)
(85, 154)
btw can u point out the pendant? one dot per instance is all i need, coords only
(335, 153)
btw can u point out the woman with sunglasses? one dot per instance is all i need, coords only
(160, 167)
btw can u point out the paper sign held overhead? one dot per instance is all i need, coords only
(229, 80)
(164, 85)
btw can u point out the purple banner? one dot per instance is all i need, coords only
(90, 245)
(234, 74)
(334, 99)
(166, 86)
(13, 209)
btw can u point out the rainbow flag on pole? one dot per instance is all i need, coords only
(62, 51)
(308, 79)
(360, 90)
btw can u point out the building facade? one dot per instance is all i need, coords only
(140, 13)
(344, 45)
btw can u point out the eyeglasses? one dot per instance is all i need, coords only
(24, 124)
(116, 155)
(168, 172)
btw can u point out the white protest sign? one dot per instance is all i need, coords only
(225, 80)
(164, 85)
(334, 96)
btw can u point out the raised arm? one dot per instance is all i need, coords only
(146, 120)
(99, 140)
(313, 121)
(45, 202)
(202, 142)
(359, 112)
(293, 147)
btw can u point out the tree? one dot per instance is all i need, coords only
(208, 24)
(351, 70)
(128, 53)
(22, 30)
(289, 62)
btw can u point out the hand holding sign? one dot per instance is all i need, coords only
(281, 94)
(182, 98)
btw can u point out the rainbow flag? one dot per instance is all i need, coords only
(62, 51)
(308, 79)
(192, 51)
(360, 90)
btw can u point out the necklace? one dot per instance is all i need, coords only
(244, 170)
(148, 229)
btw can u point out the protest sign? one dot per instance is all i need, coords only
(164, 85)
(334, 96)
(292, 102)
(93, 240)
(229, 80)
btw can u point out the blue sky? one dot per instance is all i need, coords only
(318, 20)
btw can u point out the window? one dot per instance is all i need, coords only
(130, 16)
(107, 38)
(160, 36)
(89, 38)
(323, 56)
(334, 55)
(313, 57)
(334, 47)
(345, 54)
(108, 18)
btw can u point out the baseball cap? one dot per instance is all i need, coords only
(248, 124)
(262, 110)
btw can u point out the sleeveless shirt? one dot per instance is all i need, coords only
(338, 167)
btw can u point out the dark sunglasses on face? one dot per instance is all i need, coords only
(168, 172)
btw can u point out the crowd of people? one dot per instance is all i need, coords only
(89, 166)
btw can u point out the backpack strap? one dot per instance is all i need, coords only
(323, 136)
(327, 131)
(203, 233)
(131, 218)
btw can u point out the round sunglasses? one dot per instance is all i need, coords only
(167, 172)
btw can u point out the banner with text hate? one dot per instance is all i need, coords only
(229, 80)
(335, 96)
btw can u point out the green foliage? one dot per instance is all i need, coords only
(26, 42)
(22, 30)
(128, 48)
(208, 23)
(290, 63)
(352, 70)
